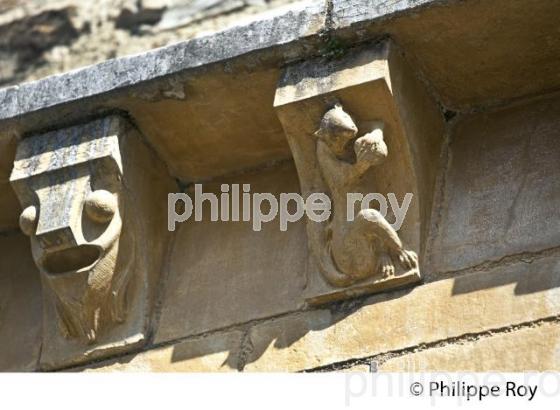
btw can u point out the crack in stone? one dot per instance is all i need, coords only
(382, 358)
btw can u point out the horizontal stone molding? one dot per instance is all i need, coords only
(436, 311)
(447, 310)
(217, 352)
(278, 27)
(531, 348)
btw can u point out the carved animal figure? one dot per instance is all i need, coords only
(368, 245)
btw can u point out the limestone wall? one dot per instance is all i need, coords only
(232, 299)
(489, 301)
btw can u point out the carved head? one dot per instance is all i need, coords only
(337, 129)
(69, 184)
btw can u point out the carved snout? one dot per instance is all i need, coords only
(58, 239)
(55, 230)
(52, 228)
(52, 224)
(57, 225)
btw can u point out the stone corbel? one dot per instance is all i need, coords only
(353, 129)
(93, 196)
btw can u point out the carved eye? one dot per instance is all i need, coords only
(28, 220)
(100, 205)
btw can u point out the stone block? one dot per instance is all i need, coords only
(224, 273)
(502, 186)
(486, 51)
(436, 311)
(21, 307)
(363, 90)
(358, 368)
(193, 112)
(94, 198)
(524, 350)
(200, 126)
(348, 12)
(423, 125)
(9, 206)
(214, 353)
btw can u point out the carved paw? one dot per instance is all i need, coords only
(370, 148)
(408, 259)
(386, 266)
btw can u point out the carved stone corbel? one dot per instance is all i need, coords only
(93, 196)
(347, 135)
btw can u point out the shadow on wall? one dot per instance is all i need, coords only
(283, 333)
(527, 276)
(20, 305)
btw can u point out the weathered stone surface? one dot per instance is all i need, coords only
(356, 94)
(213, 353)
(275, 40)
(528, 349)
(197, 120)
(93, 195)
(224, 273)
(107, 29)
(9, 206)
(436, 311)
(20, 306)
(205, 121)
(201, 125)
(340, 121)
(468, 68)
(502, 188)
(348, 12)
(359, 368)
(486, 51)
(280, 27)
(423, 125)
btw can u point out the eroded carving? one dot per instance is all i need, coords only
(347, 136)
(86, 226)
(367, 245)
